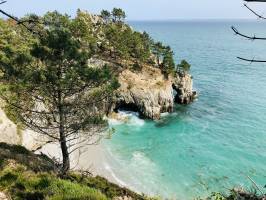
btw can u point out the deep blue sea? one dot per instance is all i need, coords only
(218, 141)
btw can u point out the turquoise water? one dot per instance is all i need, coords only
(214, 143)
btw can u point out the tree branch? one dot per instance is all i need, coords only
(2, 2)
(255, 0)
(255, 13)
(246, 36)
(252, 60)
(19, 22)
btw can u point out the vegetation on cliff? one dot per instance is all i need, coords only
(236, 194)
(27, 176)
(48, 83)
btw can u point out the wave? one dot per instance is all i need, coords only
(113, 175)
(127, 117)
(165, 114)
(139, 165)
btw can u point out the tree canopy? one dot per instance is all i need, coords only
(47, 83)
(184, 66)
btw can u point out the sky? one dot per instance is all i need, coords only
(141, 9)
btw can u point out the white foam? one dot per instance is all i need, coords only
(113, 122)
(165, 114)
(133, 119)
(139, 166)
(119, 181)
(140, 159)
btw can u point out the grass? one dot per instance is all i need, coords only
(26, 158)
(111, 190)
(26, 185)
(27, 176)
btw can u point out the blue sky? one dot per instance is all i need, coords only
(141, 9)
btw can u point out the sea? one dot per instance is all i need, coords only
(214, 144)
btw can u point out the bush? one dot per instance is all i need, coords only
(19, 179)
(27, 185)
(137, 67)
(183, 66)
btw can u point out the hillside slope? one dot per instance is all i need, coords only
(27, 176)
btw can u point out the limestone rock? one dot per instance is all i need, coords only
(3, 196)
(149, 93)
(9, 132)
(183, 85)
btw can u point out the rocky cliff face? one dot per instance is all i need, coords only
(9, 132)
(183, 85)
(12, 134)
(149, 93)
(146, 92)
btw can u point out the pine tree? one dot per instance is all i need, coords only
(49, 86)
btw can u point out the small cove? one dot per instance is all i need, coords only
(212, 144)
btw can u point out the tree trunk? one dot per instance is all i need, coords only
(65, 154)
(158, 60)
(63, 143)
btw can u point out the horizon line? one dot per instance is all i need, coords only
(193, 19)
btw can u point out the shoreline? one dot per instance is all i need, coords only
(93, 158)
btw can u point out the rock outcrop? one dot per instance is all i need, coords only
(183, 85)
(3, 196)
(147, 92)
(9, 132)
(150, 93)
(12, 134)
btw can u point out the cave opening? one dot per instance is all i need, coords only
(176, 93)
(123, 106)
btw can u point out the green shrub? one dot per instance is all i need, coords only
(15, 149)
(8, 179)
(63, 189)
(137, 67)
(183, 66)
(28, 185)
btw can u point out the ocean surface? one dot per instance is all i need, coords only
(213, 144)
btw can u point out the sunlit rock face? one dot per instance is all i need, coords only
(150, 93)
(183, 85)
(8, 130)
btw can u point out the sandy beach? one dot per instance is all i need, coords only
(92, 158)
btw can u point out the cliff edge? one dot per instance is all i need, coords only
(150, 93)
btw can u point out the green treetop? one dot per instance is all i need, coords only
(106, 15)
(118, 15)
(168, 64)
(184, 66)
(48, 84)
(158, 50)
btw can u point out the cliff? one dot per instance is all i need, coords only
(182, 83)
(150, 93)
(147, 90)
(8, 130)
